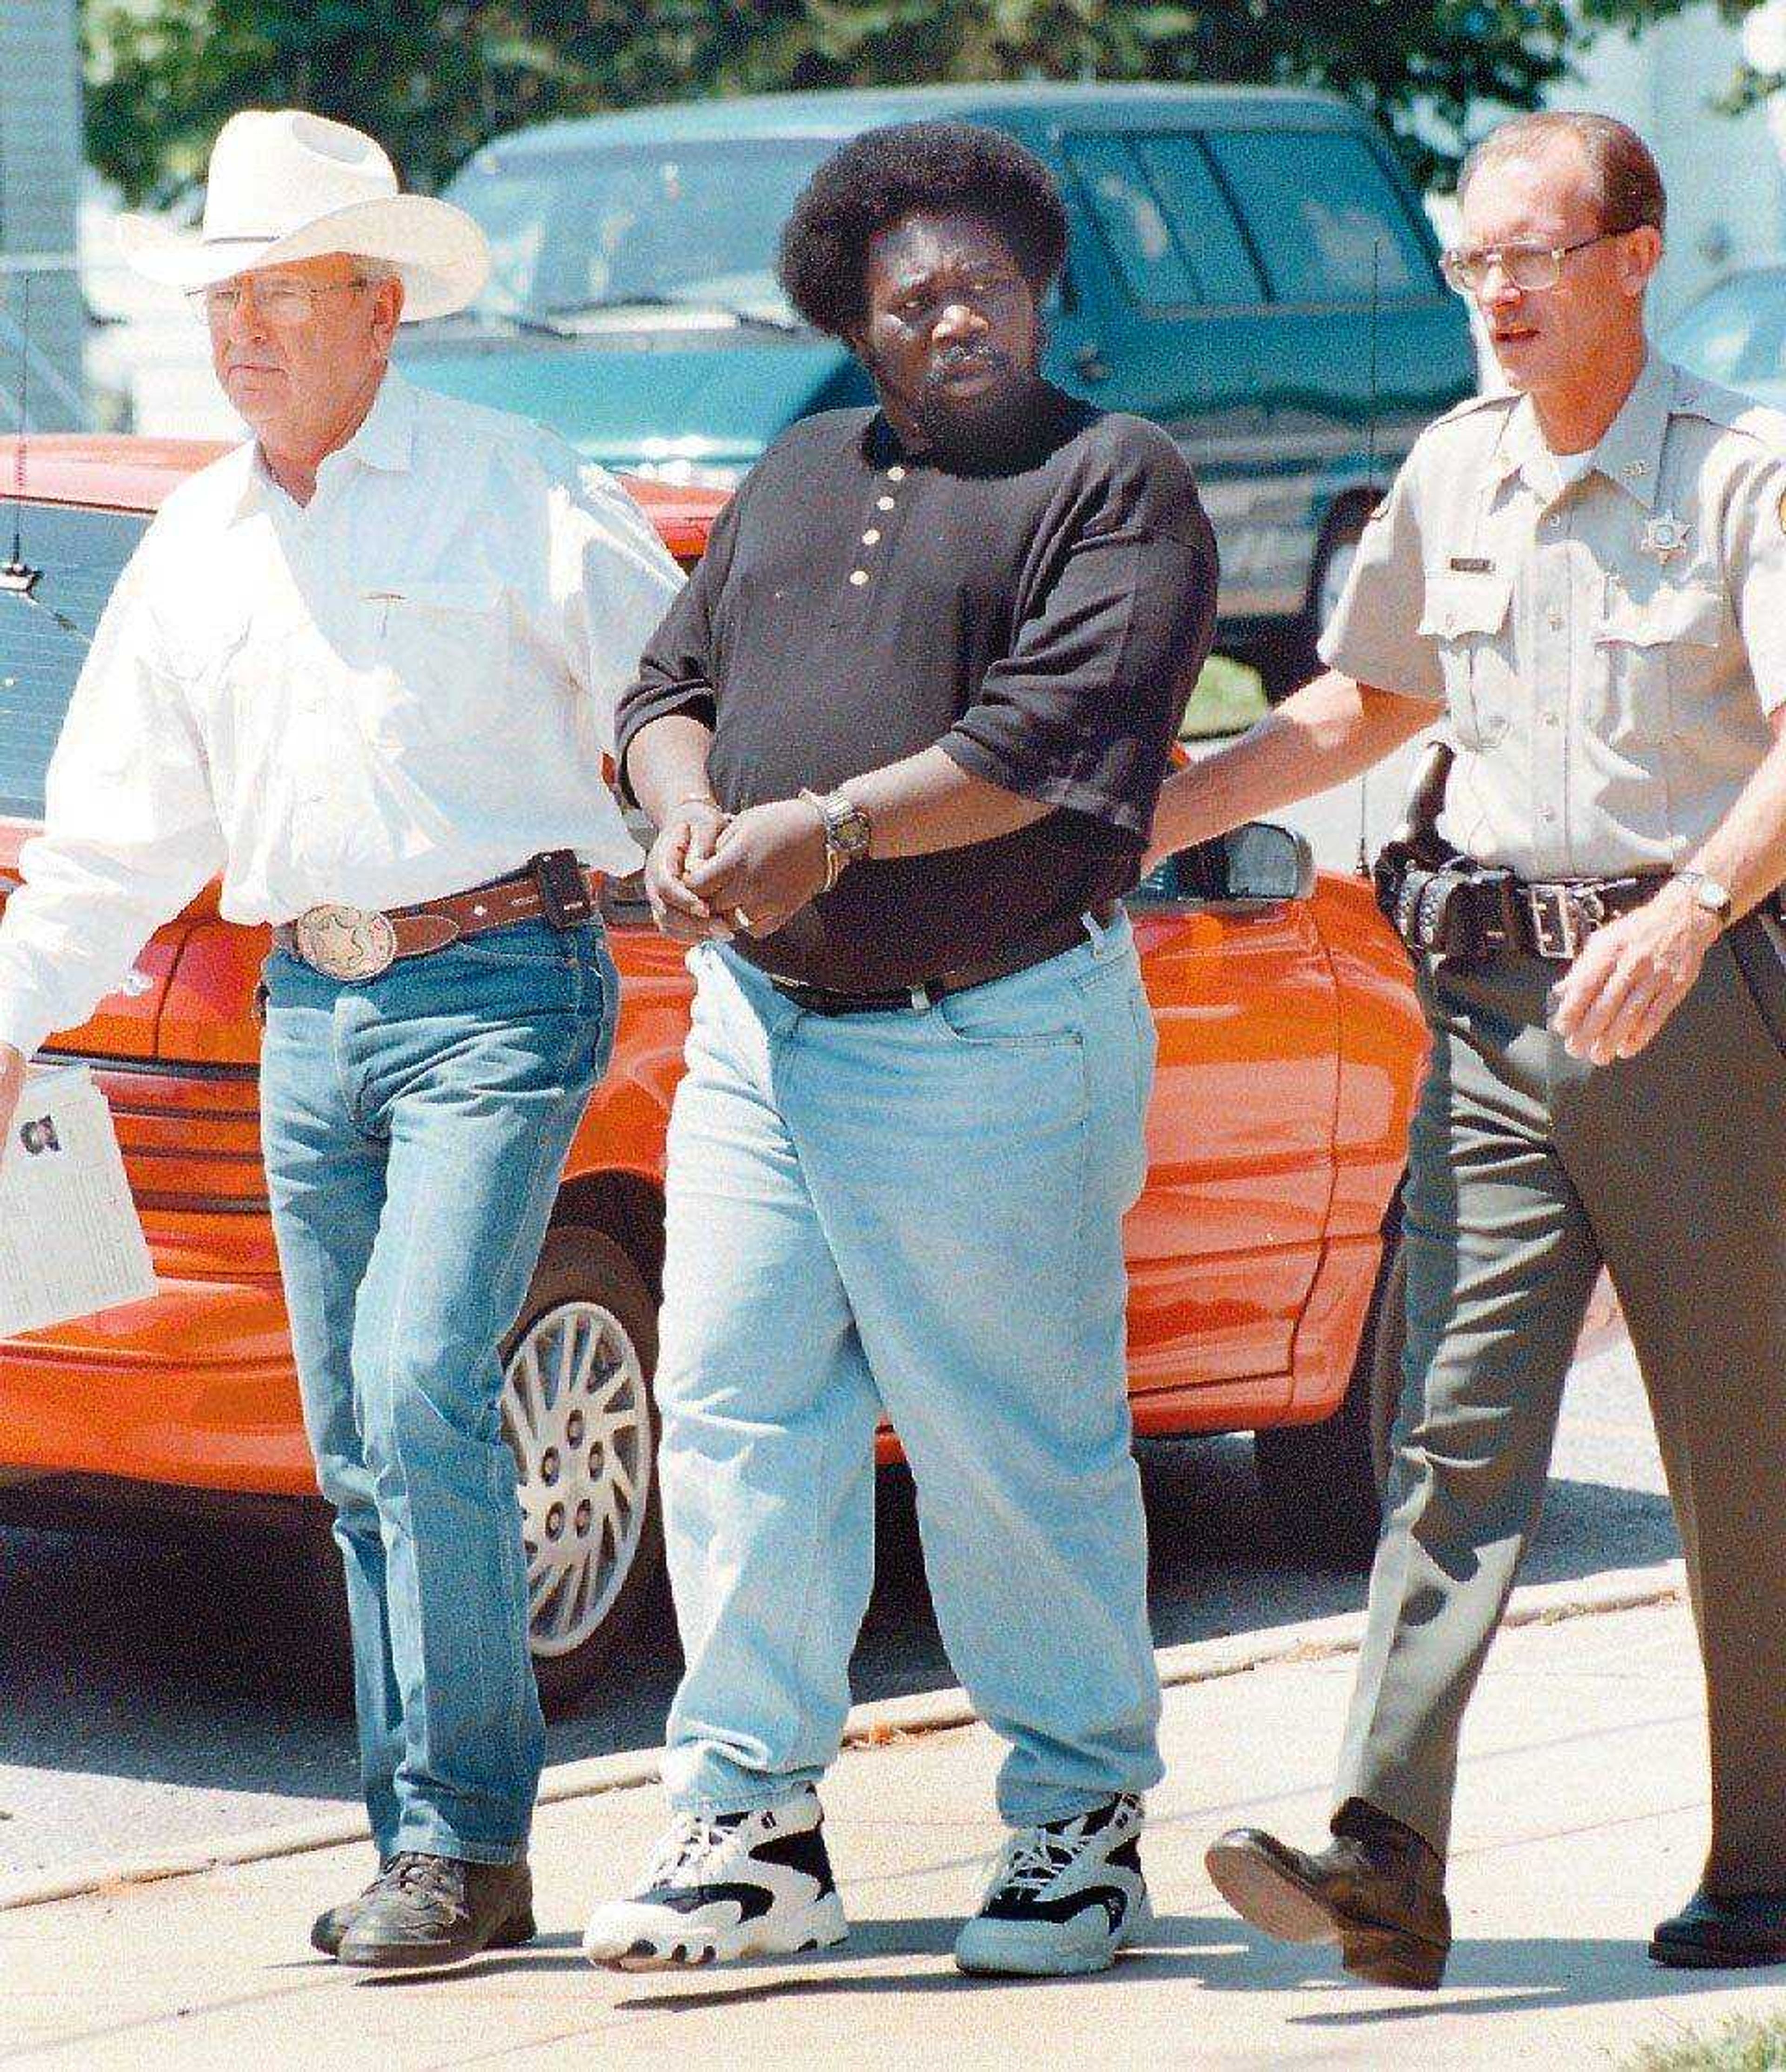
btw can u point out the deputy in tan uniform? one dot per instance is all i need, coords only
(1588, 574)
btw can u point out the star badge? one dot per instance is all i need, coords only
(1663, 537)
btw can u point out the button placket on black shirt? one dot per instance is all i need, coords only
(873, 543)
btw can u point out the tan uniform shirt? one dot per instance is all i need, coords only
(1607, 651)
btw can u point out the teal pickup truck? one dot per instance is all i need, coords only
(1228, 245)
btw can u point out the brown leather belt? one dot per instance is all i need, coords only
(359, 942)
(1048, 942)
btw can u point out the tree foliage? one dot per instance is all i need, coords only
(434, 79)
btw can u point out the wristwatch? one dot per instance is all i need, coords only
(1708, 895)
(846, 832)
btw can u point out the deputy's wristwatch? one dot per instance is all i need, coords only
(846, 832)
(1708, 895)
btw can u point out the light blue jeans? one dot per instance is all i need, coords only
(414, 1127)
(917, 1213)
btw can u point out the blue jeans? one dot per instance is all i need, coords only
(918, 1213)
(414, 1127)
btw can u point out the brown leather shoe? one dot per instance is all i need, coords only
(428, 1910)
(1376, 1889)
(1716, 1931)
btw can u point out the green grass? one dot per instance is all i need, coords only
(1740, 2046)
(1229, 696)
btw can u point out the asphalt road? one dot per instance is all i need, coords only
(152, 1694)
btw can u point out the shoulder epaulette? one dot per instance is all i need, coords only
(1494, 399)
(1696, 397)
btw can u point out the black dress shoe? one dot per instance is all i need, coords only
(1715, 1931)
(327, 1929)
(429, 1911)
(1376, 1889)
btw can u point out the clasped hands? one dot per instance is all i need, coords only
(711, 875)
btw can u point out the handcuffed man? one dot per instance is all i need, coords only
(365, 666)
(1587, 574)
(903, 735)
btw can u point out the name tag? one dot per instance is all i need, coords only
(1471, 565)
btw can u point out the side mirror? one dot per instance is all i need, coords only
(1268, 862)
(1258, 863)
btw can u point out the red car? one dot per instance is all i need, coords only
(1260, 1254)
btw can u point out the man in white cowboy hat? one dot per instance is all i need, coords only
(364, 668)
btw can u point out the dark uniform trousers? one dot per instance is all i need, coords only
(1528, 1169)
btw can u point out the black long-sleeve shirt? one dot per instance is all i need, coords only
(1043, 620)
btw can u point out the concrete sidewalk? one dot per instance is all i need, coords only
(1581, 1820)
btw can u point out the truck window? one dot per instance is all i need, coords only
(43, 637)
(686, 224)
(1317, 204)
(1147, 255)
(1199, 213)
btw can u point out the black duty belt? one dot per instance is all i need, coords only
(1046, 943)
(1555, 920)
(1453, 907)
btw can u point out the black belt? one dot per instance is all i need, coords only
(1449, 907)
(1048, 942)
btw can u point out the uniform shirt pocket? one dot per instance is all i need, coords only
(1466, 616)
(443, 651)
(1654, 652)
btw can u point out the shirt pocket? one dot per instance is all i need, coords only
(1652, 652)
(1465, 617)
(444, 651)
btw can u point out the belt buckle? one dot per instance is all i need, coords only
(1563, 917)
(345, 942)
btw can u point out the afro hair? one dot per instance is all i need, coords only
(954, 168)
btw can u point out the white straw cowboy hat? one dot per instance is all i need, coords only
(284, 185)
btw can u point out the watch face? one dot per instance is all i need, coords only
(846, 828)
(852, 834)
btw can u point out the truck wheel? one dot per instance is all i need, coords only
(577, 1410)
(1324, 1482)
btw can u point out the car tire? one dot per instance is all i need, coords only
(578, 1413)
(1324, 1483)
(1290, 660)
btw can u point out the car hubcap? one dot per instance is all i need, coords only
(575, 1410)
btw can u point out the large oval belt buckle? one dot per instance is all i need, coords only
(346, 942)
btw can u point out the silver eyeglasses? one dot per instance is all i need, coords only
(279, 300)
(1529, 267)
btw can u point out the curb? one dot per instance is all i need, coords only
(869, 1727)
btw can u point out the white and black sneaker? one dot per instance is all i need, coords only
(1065, 1896)
(730, 1886)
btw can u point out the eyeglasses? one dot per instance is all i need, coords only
(279, 300)
(1529, 267)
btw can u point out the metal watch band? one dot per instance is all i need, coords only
(1709, 894)
(847, 833)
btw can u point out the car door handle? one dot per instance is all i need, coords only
(1089, 364)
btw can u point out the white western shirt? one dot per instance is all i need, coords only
(402, 688)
